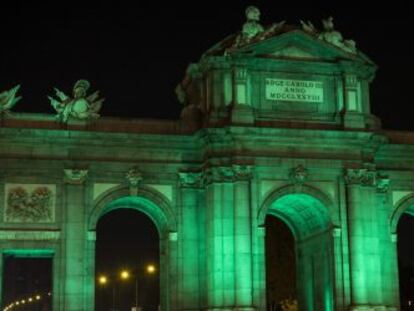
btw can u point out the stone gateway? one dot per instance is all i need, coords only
(276, 121)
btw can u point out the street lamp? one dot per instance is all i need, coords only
(125, 275)
(149, 269)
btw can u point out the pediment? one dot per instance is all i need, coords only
(302, 46)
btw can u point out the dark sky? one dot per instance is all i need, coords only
(137, 52)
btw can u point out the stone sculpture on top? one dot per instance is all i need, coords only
(79, 107)
(8, 99)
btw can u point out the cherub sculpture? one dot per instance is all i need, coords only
(80, 107)
(8, 99)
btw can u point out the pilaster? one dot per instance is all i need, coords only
(365, 254)
(189, 226)
(75, 237)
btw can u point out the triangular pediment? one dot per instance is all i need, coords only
(299, 45)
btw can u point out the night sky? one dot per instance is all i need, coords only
(136, 53)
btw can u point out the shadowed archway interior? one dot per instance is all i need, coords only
(308, 220)
(127, 240)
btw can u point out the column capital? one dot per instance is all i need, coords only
(242, 172)
(75, 176)
(191, 179)
(219, 174)
(360, 176)
(367, 176)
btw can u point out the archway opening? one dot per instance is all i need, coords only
(303, 222)
(127, 261)
(280, 264)
(405, 233)
(27, 279)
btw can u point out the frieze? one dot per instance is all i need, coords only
(29, 203)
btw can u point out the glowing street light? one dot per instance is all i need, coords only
(151, 269)
(103, 280)
(125, 275)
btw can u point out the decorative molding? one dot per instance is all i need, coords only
(29, 235)
(191, 179)
(383, 183)
(368, 176)
(242, 172)
(29, 203)
(219, 174)
(360, 176)
(173, 236)
(75, 176)
(134, 179)
(298, 175)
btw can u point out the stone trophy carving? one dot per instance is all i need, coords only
(80, 106)
(329, 34)
(8, 99)
(29, 205)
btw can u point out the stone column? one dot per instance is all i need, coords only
(75, 235)
(388, 246)
(365, 272)
(219, 238)
(189, 243)
(242, 237)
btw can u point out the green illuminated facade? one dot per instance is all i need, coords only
(276, 121)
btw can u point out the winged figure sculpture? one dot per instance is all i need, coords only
(79, 106)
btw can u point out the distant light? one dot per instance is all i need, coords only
(124, 274)
(151, 269)
(38, 297)
(30, 299)
(102, 280)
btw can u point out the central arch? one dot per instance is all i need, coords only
(305, 211)
(154, 205)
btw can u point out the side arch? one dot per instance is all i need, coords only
(404, 205)
(307, 212)
(147, 200)
(321, 205)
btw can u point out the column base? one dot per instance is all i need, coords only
(232, 309)
(372, 308)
